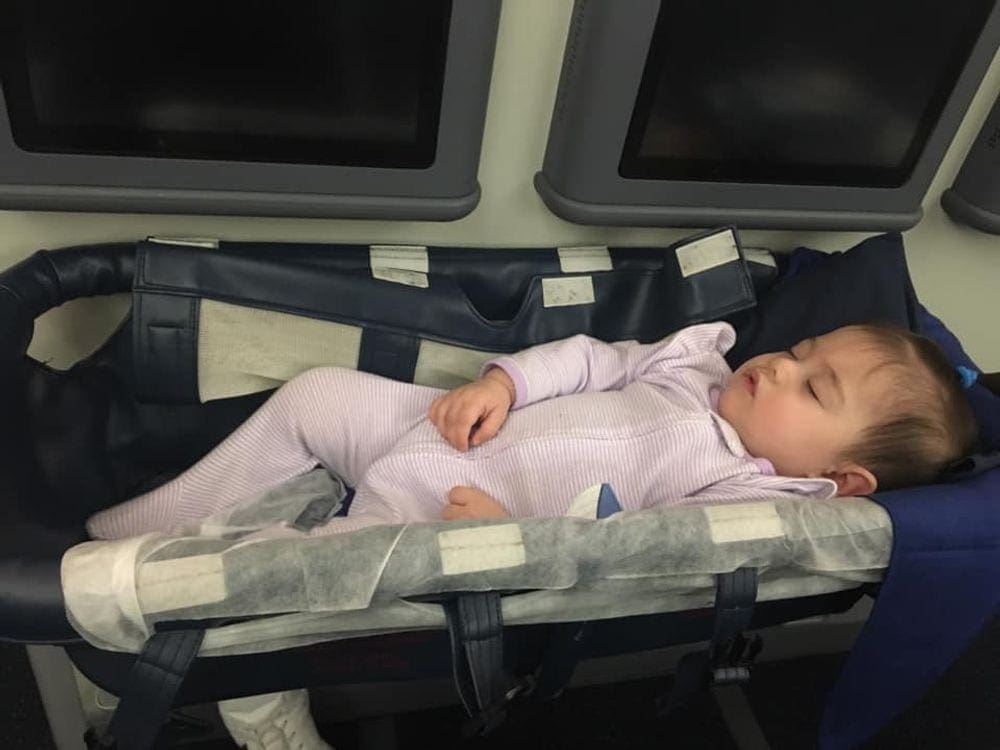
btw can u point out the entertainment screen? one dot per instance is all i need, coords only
(777, 114)
(355, 84)
(368, 109)
(800, 93)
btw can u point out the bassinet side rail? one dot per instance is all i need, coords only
(48, 278)
(31, 602)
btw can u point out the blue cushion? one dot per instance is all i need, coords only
(818, 292)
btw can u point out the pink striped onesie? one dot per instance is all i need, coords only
(639, 417)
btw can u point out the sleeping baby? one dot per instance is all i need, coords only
(668, 423)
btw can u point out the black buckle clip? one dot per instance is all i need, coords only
(492, 716)
(733, 661)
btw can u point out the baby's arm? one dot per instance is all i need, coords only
(473, 413)
(582, 363)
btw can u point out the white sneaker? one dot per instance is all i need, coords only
(275, 721)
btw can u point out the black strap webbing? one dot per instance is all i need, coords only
(475, 626)
(152, 683)
(735, 596)
(729, 652)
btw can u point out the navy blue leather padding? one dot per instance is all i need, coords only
(486, 299)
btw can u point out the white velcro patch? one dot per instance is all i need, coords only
(402, 264)
(742, 522)
(708, 252)
(571, 290)
(584, 259)
(186, 582)
(482, 548)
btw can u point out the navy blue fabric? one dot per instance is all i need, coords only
(940, 590)
(607, 502)
(941, 587)
(818, 292)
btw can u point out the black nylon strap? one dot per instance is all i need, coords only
(165, 347)
(392, 355)
(726, 660)
(475, 626)
(735, 596)
(153, 681)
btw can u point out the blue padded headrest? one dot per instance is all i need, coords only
(818, 292)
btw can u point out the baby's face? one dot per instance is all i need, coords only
(801, 409)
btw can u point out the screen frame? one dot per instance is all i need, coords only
(605, 57)
(447, 189)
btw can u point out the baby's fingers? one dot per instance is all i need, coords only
(444, 413)
(458, 424)
(489, 426)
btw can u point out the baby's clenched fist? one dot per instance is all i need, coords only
(473, 413)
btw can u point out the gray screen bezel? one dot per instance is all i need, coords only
(602, 68)
(446, 190)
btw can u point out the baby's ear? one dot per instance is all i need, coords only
(853, 480)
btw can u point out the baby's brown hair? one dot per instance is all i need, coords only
(927, 425)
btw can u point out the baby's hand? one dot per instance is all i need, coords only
(473, 413)
(468, 503)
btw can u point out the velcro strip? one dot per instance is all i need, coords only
(481, 548)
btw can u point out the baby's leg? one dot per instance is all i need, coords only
(339, 418)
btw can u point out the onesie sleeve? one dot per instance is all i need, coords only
(582, 363)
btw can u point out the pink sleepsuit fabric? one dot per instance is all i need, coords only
(639, 417)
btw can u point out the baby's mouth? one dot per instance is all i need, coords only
(750, 380)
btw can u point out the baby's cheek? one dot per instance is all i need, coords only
(776, 427)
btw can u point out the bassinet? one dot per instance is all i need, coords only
(170, 383)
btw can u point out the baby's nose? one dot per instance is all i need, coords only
(783, 368)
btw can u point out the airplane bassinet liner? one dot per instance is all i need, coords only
(201, 335)
(211, 321)
(374, 580)
(635, 563)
